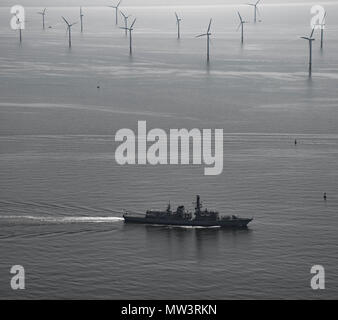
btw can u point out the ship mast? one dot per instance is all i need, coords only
(169, 208)
(198, 206)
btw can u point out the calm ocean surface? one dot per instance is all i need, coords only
(62, 192)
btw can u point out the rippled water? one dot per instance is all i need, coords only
(62, 193)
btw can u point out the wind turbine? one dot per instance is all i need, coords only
(208, 34)
(310, 39)
(178, 22)
(81, 19)
(322, 27)
(241, 24)
(130, 29)
(19, 23)
(43, 13)
(69, 26)
(256, 10)
(116, 11)
(125, 17)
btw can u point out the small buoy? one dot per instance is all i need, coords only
(324, 196)
(98, 87)
(295, 141)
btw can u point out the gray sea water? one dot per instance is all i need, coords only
(62, 192)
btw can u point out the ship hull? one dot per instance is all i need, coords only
(231, 223)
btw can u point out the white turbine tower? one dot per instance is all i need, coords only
(81, 18)
(310, 39)
(130, 29)
(178, 23)
(208, 34)
(116, 11)
(241, 25)
(43, 13)
(125, 17)
(256, 10)
(69, 26)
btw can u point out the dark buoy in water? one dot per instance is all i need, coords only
(295, 142)
(324, 196)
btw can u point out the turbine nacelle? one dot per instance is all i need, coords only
(241, 20)
(117, 6)
(69, 25)
(311, 35)
(42, 12)
(254, 4)
(208, 33)
(131, 26)
(125, 16)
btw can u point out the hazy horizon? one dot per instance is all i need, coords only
(138, 3)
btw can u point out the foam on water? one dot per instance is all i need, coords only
(75, 219)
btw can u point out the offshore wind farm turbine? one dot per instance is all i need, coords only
(19, 24)
(256, 10)
(310, 39)
(125, 17)
(241, 25)
(178, 23)
(322, 27)
(208, 34)
(69, 29)
(116, 11)
(43, 13)
(81, 18)
(130, 29)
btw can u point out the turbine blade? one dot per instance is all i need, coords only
(240, 17)
(119, 4)
(177, 18)
(258, 2)
(238, 26)
(124, 16)
(201, 35)
(306, 38)
(209, 25)
(65, 20)
(133, 23)
(258, 11)
(313, 30)
(324, 18)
